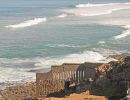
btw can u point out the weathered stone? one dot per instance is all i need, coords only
(75, 73)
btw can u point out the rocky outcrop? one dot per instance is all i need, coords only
(111, 80)
(104, 68)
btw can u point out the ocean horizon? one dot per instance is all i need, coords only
(35, 34)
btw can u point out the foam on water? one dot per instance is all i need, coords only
(127, 26)
(107, 52)
(62, 16)
(27, 23)
(92, 10)
(101, 42)
(97, 9)
(96, 5)
(66, 45)
(15, 74)
(19, 73)
(123, 35)
(86, 56)
(124, 23)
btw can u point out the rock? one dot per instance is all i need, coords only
(104, 68)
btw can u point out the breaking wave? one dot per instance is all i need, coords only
(86, 56)
(124, 34)
(89, 10)
(97, 9)
(27, 23)
(123, 22)
(95, 5)
(119, 19)
(16, 69)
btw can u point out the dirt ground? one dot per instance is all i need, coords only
(81, 96)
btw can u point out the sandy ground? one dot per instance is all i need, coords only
(81, 96)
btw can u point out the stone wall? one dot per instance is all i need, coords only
(54, 80)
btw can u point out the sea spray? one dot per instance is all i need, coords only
(27, 23)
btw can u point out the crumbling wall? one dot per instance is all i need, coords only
(54, 80)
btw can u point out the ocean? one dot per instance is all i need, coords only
(35, 34)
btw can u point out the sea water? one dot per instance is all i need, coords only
(35, 34)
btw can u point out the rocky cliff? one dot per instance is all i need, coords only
(112, 78)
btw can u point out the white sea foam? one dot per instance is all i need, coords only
(123, 35)
(66, 45)
(107, 52)
(87, 56)
(97, 9)
(123, 22)
(62, 16)
(101, 42)
(27, 23)
(15, 74)
(16, 69)
(127, 26)
(100, 10)
(96, 5)
(84, 5)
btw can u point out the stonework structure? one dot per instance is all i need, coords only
(54, 80)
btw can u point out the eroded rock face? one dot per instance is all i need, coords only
(111, 76)
(104, 68)
(102, 75)
(121, 69)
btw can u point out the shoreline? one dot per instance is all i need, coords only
(3, 85)
(28, 89)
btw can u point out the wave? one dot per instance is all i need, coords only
(16, 69)
(86, 56)
(28, 23)
(24, 64)
(123, 35)
(65, 45)
(120, 19)
(90, 5)
(107, 52)
(96, 5)
(101, 42)
(15, 75)
(62, 16)
(127, 26)
(97, 9)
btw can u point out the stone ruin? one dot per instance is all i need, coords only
(54, 80)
